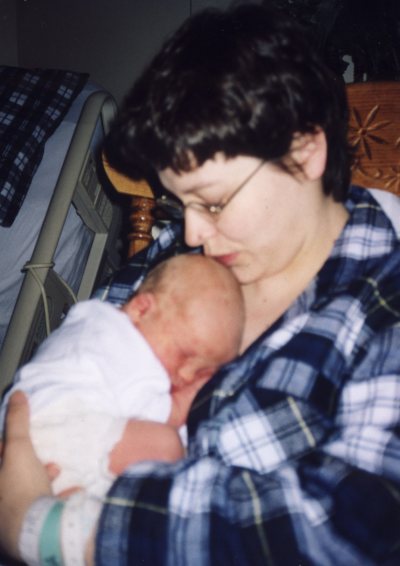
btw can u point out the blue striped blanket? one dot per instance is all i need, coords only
(33, 102)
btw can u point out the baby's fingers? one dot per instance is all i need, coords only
(53, 471)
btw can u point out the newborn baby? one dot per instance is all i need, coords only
(107, 366)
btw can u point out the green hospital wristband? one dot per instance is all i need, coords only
(50, 541)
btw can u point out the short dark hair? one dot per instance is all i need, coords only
(240, 82)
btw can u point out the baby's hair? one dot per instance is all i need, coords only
(209, 277)
(157, 280)
(202, 294)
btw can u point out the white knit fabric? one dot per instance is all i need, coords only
(90, 376)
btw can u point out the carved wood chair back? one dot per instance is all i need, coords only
(374, 133)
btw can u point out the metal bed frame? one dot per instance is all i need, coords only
(44, 298)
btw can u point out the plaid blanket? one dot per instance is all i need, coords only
(32, 105)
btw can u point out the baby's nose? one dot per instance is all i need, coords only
(186, 374)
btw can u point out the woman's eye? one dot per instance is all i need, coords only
(214, 208)
(209, 208)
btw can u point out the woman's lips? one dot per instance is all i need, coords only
(226, 259)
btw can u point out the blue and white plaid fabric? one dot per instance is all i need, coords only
(32, 105)
(294, 449)
(128, 279)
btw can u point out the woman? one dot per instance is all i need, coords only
(293, 447)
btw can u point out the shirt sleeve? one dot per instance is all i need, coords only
(319, 511)
(336, 502)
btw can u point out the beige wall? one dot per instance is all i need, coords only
(8, 32)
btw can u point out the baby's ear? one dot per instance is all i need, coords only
(139, 306)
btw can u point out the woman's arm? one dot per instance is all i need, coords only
(316, 511)
(23, 478)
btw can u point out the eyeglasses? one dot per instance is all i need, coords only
(176, 209)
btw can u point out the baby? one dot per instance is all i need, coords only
(107, 366)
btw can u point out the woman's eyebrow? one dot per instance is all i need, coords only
(201, 186)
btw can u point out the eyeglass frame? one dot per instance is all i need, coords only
(212, 211)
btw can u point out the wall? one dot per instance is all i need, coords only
(197, 5)
(8, 33)
(110, 40)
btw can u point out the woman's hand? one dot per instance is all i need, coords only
(22, 477)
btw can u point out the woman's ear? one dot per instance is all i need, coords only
(309, 152)
(139, 306)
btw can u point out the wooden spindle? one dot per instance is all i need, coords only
(142, 205)
(141, 222)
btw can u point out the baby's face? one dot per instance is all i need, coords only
(188, 358)
(191, 342)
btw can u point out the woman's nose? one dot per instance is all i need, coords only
(198, 227)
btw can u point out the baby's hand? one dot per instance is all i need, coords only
(182, 400)
(145, 440)
(67, 492)
(53, 471)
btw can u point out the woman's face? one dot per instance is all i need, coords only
(262, 230)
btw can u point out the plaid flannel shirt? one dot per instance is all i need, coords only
(294, 452)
